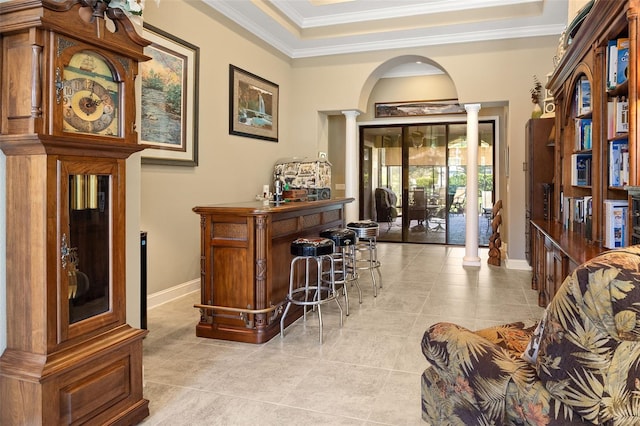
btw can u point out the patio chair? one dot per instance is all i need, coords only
(417, 207)
(459, 200)
(386, 210)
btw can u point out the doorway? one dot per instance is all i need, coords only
(413, 181)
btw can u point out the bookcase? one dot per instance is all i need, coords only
(595, 87)
(539, 148)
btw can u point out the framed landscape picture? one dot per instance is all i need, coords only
(253, 105)
(169, 100)
(418, 108)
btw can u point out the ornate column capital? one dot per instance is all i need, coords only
(472, 107)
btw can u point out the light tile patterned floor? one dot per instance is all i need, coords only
(365, 373)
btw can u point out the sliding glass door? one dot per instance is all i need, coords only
(426, 170)
(414, 178)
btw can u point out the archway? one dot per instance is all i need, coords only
(426, 175)
(421, 67)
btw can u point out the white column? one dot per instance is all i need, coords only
(351, 166)
(471, 257)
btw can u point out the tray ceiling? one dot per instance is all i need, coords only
(309, 28)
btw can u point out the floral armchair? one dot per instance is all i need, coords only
(580, 366)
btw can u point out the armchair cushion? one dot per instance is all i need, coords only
(589, 352)
(514, 336)
(587, 370)
(473, 381)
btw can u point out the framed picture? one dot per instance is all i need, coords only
(169, 100)
(418, 108)
(253, 105)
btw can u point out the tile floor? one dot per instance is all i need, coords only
(365, 373)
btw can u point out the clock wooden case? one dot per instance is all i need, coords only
(66, 128)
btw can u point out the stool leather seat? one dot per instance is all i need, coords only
(340, 236)
(364, 228)
(311, 247)
(363, 224)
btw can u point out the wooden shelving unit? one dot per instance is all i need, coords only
(585, 60)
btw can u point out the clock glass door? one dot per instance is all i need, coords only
(88, 261)
(91, 244)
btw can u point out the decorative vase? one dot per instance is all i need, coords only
(537, 111)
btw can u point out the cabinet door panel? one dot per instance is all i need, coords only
(549, 286)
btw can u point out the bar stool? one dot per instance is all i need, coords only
(307, 250)
(344, 256)
(367, 233)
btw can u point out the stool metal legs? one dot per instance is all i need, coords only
(345, 272)
(371, 262)
(320, 293)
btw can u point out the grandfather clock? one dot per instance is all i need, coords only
(66, 128)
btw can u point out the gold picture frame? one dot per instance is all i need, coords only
(169, 100)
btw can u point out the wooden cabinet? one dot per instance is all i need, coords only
(246, 256)
(556, 253)
(66, 128)
(634, 193)
(556, 263)
(538, 276)
(539, 146)
(582, 90)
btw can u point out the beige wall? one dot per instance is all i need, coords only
(231, 168)
(234, 168)
(574, 7)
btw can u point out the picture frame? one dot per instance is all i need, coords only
(253, 105)
(168, 99)
(418, 108)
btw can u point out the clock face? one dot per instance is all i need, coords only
(91, 96)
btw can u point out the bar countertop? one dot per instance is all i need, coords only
(259, 207)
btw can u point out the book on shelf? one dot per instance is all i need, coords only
(567, 213)
(623, 61)
(612, 64)
(617, 62)
(583, 134)
(622, 116)
(618, 155)
(583, 96)
(581, 169)
(588, 216)
(615, 223)
(617, 117)
(576, 215)
(624, 175)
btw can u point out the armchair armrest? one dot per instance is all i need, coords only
(467, 380)
(474, 381)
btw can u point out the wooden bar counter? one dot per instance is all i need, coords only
(245, 260)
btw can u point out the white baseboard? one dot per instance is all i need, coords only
(520, 264)
(163, 296)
